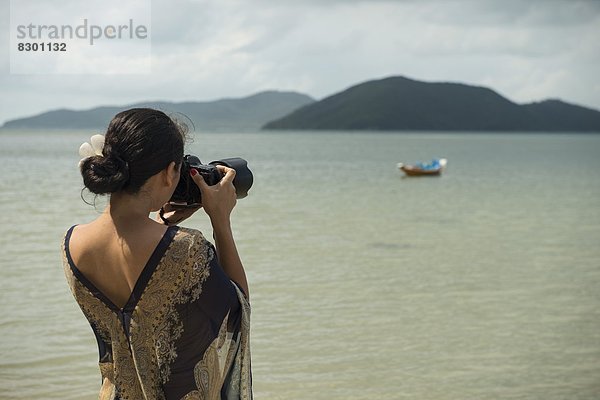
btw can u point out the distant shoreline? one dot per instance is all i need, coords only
(391, 104)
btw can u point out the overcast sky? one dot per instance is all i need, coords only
(203, 50)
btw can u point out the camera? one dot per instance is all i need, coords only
(188, 193)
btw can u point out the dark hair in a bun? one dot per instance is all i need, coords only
(104, 174)
(139, 143)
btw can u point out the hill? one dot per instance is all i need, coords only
(399, 103)
(248, 113)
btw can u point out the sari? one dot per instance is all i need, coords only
(183, 333)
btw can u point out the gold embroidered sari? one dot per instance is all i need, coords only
(183, 333)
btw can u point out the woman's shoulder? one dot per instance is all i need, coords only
(82, 230)
(76, 236)
(192, 238)
(189, 233)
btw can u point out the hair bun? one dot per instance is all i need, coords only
(102, 175)
(138, 144)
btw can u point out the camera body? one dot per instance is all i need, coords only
(188, 193)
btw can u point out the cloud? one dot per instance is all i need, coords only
(204, 50)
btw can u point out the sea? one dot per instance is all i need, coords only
(482, 283)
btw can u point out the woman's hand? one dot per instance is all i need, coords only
(170, 214)
(218, 200)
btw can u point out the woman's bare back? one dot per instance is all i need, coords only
(112, 259)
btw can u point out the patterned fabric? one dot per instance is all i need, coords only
(183, 333)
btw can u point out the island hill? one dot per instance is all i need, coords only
(399, 103)
(390, 104)
(233, 114)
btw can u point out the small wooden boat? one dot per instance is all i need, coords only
(433, 168)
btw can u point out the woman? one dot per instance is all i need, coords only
(170, 311)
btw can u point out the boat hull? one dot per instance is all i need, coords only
(435, 168)
(410, 171)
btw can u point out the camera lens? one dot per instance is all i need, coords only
(243, 176)
(189, 193)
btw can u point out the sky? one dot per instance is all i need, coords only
(527, 50)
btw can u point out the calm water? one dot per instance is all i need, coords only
(481, 284)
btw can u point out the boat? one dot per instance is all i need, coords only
(433, 168)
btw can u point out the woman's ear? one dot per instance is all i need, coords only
(172, 173)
